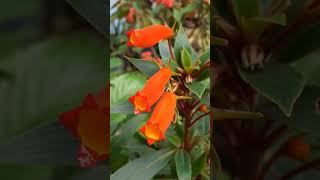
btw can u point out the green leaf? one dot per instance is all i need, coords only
(299, 44)
(279, 83)
(164, 49)
(186, 58)
(197, 88)
(19, 172)
(309, 67)
(127, 130)
(50, 77)
(255, 26)
(183, 165)
(116, 119)
(115, 62)
(180, 43)
(147, 67)
(216, 164)
(94, 12)
(47, 144)
(199, 164)
(124, 86)
(98, 172)
(247, 8)
(125, 107)
(306, 113)
(173, 137)
(205, 57)
(145, 167)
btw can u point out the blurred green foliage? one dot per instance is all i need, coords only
(50, 59)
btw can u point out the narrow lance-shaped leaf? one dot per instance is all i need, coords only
(147, 67)
(180, 43)
(186, 60)
(145, 167)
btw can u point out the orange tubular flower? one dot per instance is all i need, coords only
(152, 91)
(130, 16)
(160, 119)
(89, 123)
(148, 36)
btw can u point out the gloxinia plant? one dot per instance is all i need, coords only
(170, 120)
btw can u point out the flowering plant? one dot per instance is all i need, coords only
(171, 109)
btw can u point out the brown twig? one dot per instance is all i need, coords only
(270, 139)
(170, 50)
(269, 163)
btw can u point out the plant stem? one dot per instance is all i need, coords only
(199, 117)
(187, 129)
(269, 163)
(171, 53)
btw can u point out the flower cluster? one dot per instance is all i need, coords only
(88, 123)
(154, 89)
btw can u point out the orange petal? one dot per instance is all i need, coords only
(70, 120)
(92, 130)
(161, 117)
(152, 91)
(140, 102)
(150, 141)
(148, 36)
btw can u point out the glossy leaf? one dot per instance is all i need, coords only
(173, 137)
(300, 43)
(271, 82)
(199, 164)
(147, 67)
(180, 43)
(98, 172)
(50, 77)
(203, 58)
(94, 12)
(46, 144)
(164, 49)
(309, 67)
(306, 112)
(124, 86)
(145, 167)
(197, 88)
(186, 58)
(183, 165)
(124, 107)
